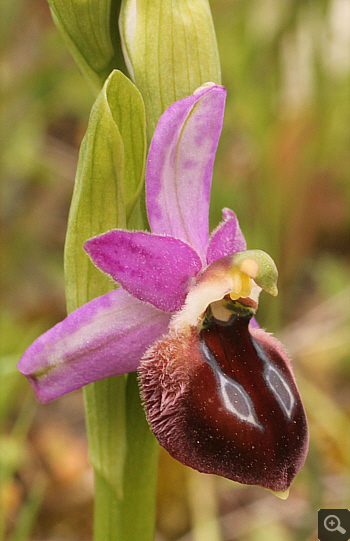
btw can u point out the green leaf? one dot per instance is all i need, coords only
(109, 180)
(91, 35)
(170, 49)
(126, 105)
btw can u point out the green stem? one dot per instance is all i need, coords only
(124, 454)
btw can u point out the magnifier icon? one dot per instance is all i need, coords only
(332, 524)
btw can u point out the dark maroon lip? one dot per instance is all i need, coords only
(259, 409)
(224, 400)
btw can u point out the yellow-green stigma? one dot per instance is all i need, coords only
(242, 285)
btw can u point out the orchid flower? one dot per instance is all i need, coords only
(218, 391)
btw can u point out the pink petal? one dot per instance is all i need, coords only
(180, 164)
(227, 238)
(105, 337)
(154, 269)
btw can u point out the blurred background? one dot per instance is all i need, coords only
(283, 165)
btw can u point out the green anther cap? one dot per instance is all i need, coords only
(259, 266)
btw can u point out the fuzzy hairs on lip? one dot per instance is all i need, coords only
(224, 401)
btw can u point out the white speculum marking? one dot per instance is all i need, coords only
(235, 399)
(280, 389)
(277, 383)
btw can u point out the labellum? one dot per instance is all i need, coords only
(221, 397)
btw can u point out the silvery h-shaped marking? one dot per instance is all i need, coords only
(276, 382)
(235, 399)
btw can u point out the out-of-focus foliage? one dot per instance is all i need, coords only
(283, 166)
